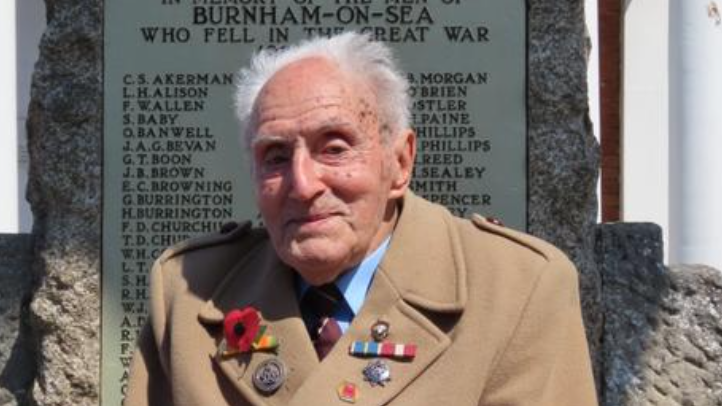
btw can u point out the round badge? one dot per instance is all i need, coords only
(377, 372)
(269, 376)
(380, 330)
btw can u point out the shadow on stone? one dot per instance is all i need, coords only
(19, 372)
(17, 363)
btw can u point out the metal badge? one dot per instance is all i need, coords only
(269, 376)
(377, 372)
(380, 330)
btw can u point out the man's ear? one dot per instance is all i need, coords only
(404, 153)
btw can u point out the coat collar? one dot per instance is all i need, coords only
(424, 264)
(423, 269)
(424, 261)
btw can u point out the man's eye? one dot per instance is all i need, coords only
(275, 157)
(335, 146)
(335, 149)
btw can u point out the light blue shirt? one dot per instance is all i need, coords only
(354, 285)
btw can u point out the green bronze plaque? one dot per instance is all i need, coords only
(173, 163)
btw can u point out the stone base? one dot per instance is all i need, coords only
(662, 339)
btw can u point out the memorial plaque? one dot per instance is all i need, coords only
(173, 162)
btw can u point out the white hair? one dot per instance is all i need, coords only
(355, 54)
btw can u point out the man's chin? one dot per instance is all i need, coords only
(317, 262)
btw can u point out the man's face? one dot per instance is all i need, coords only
(325, 181)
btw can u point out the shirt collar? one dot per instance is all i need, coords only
(355, 283)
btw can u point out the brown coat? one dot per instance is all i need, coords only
(495, 314)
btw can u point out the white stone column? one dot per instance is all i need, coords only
(591, 13)
(645, 115)
(9, 222)
(696, 132)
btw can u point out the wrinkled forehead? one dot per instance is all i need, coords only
(310, 84)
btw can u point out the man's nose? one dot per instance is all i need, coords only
(306, 180)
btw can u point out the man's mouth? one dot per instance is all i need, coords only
(311, 218)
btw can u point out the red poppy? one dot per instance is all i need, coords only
(241, 327)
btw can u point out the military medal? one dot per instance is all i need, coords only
(348, 392)
(378, 348)
(243, 332)
(269, 376)
(377, 372)
(386, 350)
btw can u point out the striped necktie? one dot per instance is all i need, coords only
(320, 304)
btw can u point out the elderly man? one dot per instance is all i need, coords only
(356, 291)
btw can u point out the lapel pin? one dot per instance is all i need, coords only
(243, 332)
(377, 372)
(387, 350)
(380, 330)
(269, 376)
(495, 221)
(348, 392)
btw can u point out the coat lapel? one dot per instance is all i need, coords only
(407, 326)
(263, 282)
(422, 273)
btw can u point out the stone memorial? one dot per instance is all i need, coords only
(174, 166)
(127, 113)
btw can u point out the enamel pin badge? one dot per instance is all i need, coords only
(348, 392)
